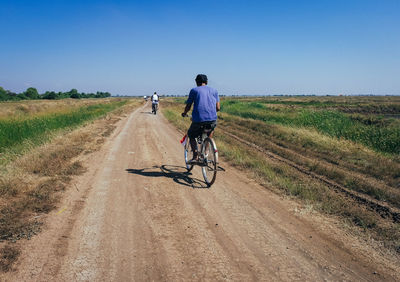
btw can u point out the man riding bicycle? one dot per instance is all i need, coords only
(204, 115)
(154, 102)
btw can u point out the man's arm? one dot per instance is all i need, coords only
(218, 105)
(187, 109)
(189, 102)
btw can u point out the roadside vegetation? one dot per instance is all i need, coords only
(328, 152)
(47, 141)
(19, 132)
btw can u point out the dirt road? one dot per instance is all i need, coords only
(135, 215)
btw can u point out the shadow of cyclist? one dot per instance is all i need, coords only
(177, 173)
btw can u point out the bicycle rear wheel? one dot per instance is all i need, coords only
(210, 154)
(188, 155)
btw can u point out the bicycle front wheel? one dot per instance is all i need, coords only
(188, 155)
(210, 154)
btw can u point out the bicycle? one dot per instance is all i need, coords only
(208, 155)
(154, 108)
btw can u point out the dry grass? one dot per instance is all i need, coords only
(32, 184)
(9, 255)
(30, 108)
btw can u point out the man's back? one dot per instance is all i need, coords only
(204, 99)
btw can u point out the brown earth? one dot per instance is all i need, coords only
(135, 215)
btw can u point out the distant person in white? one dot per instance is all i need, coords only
(154, 101)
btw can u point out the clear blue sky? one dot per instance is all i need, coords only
(245, 47)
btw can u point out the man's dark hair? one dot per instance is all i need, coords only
(200, 79)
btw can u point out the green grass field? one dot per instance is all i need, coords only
(373, 130)
(17, 132)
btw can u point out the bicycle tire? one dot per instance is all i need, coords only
(188, 155)
(210, 154)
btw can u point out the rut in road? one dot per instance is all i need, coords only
(145, 218)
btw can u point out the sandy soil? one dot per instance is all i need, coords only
(136, 216)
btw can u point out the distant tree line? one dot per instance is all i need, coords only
(32, 94)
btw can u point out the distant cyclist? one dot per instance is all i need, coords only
(154, 103)
(205, 102)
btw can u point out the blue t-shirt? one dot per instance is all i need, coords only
(205, 99)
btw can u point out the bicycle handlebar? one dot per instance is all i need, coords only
(185, 115)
